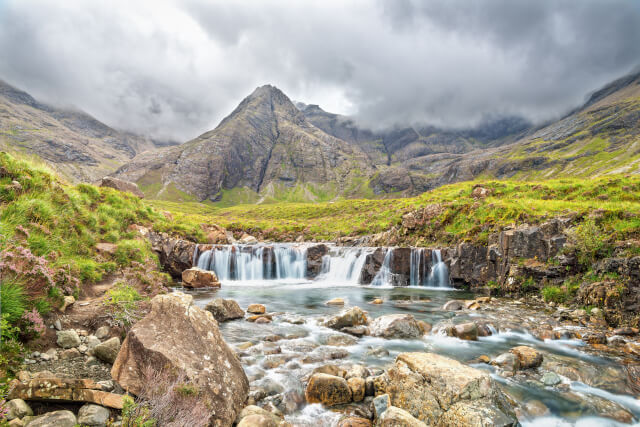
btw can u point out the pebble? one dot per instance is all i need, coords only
(550, 379)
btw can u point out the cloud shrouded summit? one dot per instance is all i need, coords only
(174, 69)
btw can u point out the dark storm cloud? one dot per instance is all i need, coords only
(174, 69)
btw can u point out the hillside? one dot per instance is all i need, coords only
(74, 143)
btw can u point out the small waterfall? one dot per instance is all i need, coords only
(439, 276)
(344, 265)
(418, 267)
(255, 262)
(384, 275)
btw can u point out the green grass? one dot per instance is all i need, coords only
(13, 301)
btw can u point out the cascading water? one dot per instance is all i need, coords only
(344, 265)
(384, 275)
(439, 276)
(259, 262)
(418, 267)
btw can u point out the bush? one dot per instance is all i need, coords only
(130, 250)
(10, 348)
(553, 294)
(13, 301)
(591, 242)
(122, 300)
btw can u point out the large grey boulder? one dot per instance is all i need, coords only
(18, 408)
(444, 392)
(54, 419)
(108, 350)
(224, 309)
(396, 326)
(178, 337)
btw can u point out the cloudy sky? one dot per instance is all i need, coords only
(173, 69)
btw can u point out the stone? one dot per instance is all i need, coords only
(466, 331)
(334, 370)
(224, 309)
(377, 301)
(508, 362)
(66, 302)
(57, 325)
(91, 342)
(357, 386)
(347, 318)
(247, 239)
(180, 337)
(93, 415)
(256, 410)
(68, 338)
(354, 422)
(315, 253)
(262, 320)
(50, 388)
(380, 405)
(358, 371)
(453, 305)
(198, 278)
(377, 352)
(257, 420)
(335, 301)
(527, 356)
(17, 408)
(481, 192)
(357, 331)
(121, 185)
(340, 340)
(536, 408)
(550, 379)
(327, 389)
(108, 350)
(175, 255)
(396, 417)
(106, 248)
(441, 391)
(17, 422)
(71, 353)
(54, 419)
(102, 332)
(396, 326)
(256, 309)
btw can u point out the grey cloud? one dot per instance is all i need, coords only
(174, 69)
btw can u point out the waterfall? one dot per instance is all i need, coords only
(417, 267)
(344, 265)
(255, 262)
(384, 275)
(439, 276)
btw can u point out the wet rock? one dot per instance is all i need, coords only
(357, 331)
(508, 362)
(380, 405)
(357, 386)
(198, 278)
(93, 415)
(256, 410)
(68, 339)
(257, 420)
(334, 370)
(54, 419)
(335, 301)
(369, 387)
(327, 389)
(314, 259)
(248, 239)
(108, 350)
(396, 326)
(426, 327)
(122, 185)
(255, 317)
(256, 309)
(377, 352)
(347, 318)
(357, 371)
(396, 417)
(484, 330)
(629, 332)
(594, 338)
(17, 408)
(528, 357)
(550, 379)
(466, 331)
(354, 422)
(453, 305)
(442, 391)
(175, 255)
(179, 336)
(377, 301)
(340, 340)
(536, 408)
(224, 309)
(263, 320)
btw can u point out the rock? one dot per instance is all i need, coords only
(106, 249)
(256, 410)
(257, 420)
(466, 331)
(66, 302)
(357, 331)
(54, 419)
(255, 318)
(358, 371)
(71, 353)
(68, 338)
(453, 305)
(377, 301)
(594, 338)
(380, 405)
(357, 386)
(347, 318)
(550, 379)
(91, 342)
(378, 352)
(536, 408)
(175, 255)
(17, 422)
(527, 356)
(442, 391)
(263, 320)
(198, 278)
(102, 332)
(121, 185)
(396, 326)
(354, 422)
(329, 390)
(224, 309)
(17, 408)
(108, 350)
(396, 417)
(256, 309)
(93, 415)
(335, 301)
(508, 362)
(50, 388)
(179, 336)
(315, 253)
(57, 325)
(340, 340)
(247, 239)
(330, 370)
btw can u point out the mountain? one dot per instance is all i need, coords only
(265, 149)
(73, 142)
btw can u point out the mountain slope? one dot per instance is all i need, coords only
(264, 149)
(76, 144)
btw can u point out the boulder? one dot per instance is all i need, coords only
(442, 391)
(102, 332)
(396, 326)
(256, 309)
(67, 301)
(106, 248)
(257, 420)
(396, 417)
(175, 255)
(357, 386)
(527, 356)
(178, 337)
(256, 410)
(224, 309)
(347, 318)
(372, 264)
(50, 388)
(17, 408)
(68, 338)
(198, 278)
(466, 331)
(335, 301)
(508, 362)
(315, 253)
(351, 421)
(93, 415)
(121, 185)
(54, 419)
(248, 239)
(108, 350)
(380, 404)
(327, 389)
(453, 305)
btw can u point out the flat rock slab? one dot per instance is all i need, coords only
(66, 390)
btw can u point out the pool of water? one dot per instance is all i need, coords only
(593, 384)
